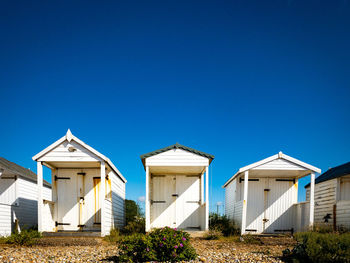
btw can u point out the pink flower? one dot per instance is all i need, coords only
(184, 239)
(175, 228)
(164, 238)
(161, 244)
(181, 245)
(147, 249)
(175, 246)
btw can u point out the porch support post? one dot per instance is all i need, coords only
(207, 198)
(312, 199)
(40, 195)
(147, 202)
(245, 198)
(102, 197)
(202, 188)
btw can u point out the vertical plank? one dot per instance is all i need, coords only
(40, 195)
(102, 197)
(147, 201)
(245, 198)
(207, 198)
(312, 199)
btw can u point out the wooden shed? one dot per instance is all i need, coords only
(177, 194)
(88, 191)
(18, 197)
(263, 197)
(332, 196)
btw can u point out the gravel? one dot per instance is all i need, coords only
(95, 250)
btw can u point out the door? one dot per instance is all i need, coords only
(81, 199)
(67, 205)
(163, 207)
(97, 201)
(279, 201)
(255, 205)
(187, 202)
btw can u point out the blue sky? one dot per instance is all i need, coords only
(241, 80)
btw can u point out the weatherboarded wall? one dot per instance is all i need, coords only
(325, 198)
(230, 193)
(118, 200)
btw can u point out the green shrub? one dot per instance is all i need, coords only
(320, 247)
(165, 244)
(223, 224)
(25, 237)
(114, 235)
(136, 226)
(136, 248)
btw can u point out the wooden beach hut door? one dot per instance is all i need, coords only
(67, 205)
(187, 202)
(97, 205)
(162, 201)
(278, 201)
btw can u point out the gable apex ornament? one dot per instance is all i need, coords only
(69, 135)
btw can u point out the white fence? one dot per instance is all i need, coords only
(301, 216)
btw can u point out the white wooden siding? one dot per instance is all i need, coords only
(48, 216)
(343, 213)
(5, 220)
(27, 210)
(177, 157)
(279, 164)
(344, 189)
(118, 200)
(108, 216)
(301, 216)
(325, 199)
(237, 213)
(61, 153)
(230, 199)
(7, 191)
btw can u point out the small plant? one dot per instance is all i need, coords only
(165, 244)
(136, 226)
(114, 235)
(213, 234)
(223, 224)
(250, 239)
(26, 237)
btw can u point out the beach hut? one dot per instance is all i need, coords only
(263, 197)
(88, 191)
(332, 196)
(18, 197)
(177, 190)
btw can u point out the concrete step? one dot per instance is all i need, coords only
(72, 234)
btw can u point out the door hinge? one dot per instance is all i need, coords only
(61, 178)
(61, 224)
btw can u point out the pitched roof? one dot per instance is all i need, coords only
(333, 173)
(70, 137)
(279, 155)
(20, 171)
(177, 146)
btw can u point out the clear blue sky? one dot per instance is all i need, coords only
(238, 79)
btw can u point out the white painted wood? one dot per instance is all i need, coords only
(207, 198)
(301, 216)
(177, 157)
(202, 189)
(230, 199)
(188, 202)
(163, 209)
(299, 165)
(344, 187)
(279, 164)
(343, 213)
(254, 206)
(312, 198)
(245, 198)
(118, 200)
(40, 195)
(5, 220)
(102, 199)
(147, 201)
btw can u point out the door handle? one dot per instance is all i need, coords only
(176, 195)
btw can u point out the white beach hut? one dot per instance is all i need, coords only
(263, 197)
(332, 196)
(88, 191)
(18, 197)
(177, 195)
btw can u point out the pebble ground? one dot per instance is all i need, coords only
(96, 250)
